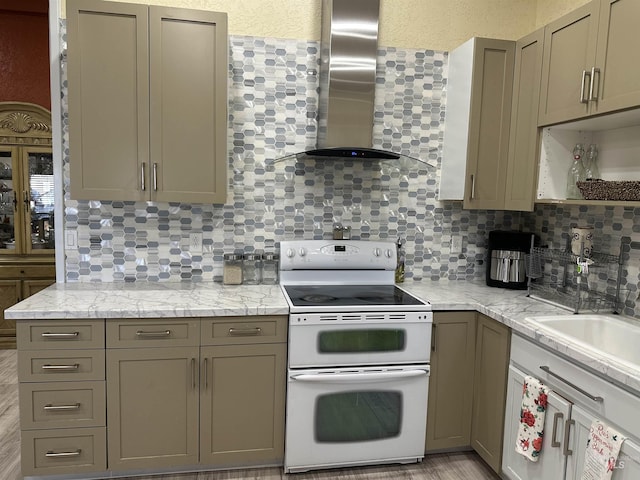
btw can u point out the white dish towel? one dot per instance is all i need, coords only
(532, 413)
(602, 451)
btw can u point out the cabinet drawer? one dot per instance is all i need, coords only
(27, 271)
(47, 366)
(618, 407)
(62, 405)
(63, 451)
(153, 333)
(51, 334)
(242, 330)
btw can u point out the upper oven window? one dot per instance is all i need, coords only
(362, 341)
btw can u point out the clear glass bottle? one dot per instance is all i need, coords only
(252, 269)
(232, 270)
(576, 173)
(270, 265)
(592, 172)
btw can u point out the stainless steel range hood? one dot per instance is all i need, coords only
(348, 53)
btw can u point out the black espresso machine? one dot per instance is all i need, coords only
(506, 259)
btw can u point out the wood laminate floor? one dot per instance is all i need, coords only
(453, 466)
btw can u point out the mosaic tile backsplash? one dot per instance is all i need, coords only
(273, 101)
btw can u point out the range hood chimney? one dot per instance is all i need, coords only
(348, 55)
(348, 52)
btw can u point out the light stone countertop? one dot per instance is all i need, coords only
(166, 300)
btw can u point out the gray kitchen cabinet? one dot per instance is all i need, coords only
(453, 346)
(476, 138)
(147, 102)
(586, 67)
(152, 405)
(185, 391)
(520, 188)
(493, 340)
(61, 374)
(242, 404)
(467, 385)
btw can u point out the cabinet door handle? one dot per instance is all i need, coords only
(60, 335)
(143, 183)
(51, 454)
(473, 187)
(433, 337)
(26, 200)
(61, 367)
(557, 416)
(545, 368)
(155, 177)
(15, 201)
(61, 408)
(592, 81)
(193, 372)
(206, 373)
(567, 430)
(582, 89)
(161, 334)
(245, 332)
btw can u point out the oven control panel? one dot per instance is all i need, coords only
(337, 254)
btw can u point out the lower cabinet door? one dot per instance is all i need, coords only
(551, 462)
(152, 400)
(242, 404)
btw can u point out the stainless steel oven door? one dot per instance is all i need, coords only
(363, 416)
(344, 343)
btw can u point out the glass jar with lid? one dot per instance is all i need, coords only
(252, 269)
(232, 270)
(270, 263)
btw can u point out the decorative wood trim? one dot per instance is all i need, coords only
(24, 123)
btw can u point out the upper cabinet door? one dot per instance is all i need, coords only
(188, 71)
(108, 77)
(617, 82)
(523, 133)
(569, 55)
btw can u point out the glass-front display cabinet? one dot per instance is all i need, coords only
(27, 239)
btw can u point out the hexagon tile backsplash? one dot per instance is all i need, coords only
(273, 101)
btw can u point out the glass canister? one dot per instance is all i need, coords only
(252, 269)
(576, 173)
(270, 265)
(232, 270)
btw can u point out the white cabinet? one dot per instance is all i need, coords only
(551, 463)
(576, 399)
(476, 138)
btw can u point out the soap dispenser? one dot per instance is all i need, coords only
(400, 261)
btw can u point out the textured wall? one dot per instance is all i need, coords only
(433, 24)
(24, 54)
(548, 10)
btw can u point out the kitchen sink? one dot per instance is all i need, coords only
(615, 336)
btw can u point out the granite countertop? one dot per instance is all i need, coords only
(159, 300)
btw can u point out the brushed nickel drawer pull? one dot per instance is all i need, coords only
(164, 333)
(246, 332)
(61, 408)
(545, 368)
(582, 89)
(556, 416)
(59, 335)
(74, 366)
(51, 454)
(567, 429)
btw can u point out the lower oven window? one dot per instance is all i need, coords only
(358, 416)
(365, 340)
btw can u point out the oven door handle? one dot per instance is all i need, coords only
(364, 377)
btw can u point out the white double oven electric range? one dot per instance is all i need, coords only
(358, 368)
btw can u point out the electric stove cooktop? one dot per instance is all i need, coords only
(340, 296)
